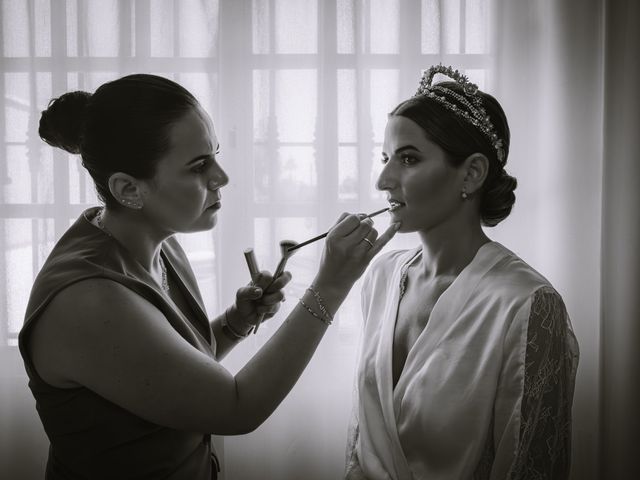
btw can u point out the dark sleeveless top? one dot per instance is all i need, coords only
(92, 438)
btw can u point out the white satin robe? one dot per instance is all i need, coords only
(457, 410)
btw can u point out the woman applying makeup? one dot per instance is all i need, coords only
(468, 359)
(122, 359)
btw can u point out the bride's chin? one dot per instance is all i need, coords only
(204, 223)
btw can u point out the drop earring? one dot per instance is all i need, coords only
(464, 193)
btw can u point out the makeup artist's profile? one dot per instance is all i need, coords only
(123, 362)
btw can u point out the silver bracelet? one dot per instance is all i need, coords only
(310, 310)
(320, 303)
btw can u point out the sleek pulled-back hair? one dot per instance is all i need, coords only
(122, 127)
(459, 139)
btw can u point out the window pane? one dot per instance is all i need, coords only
(296, 179)
(198, 27)
(26, 244)
(376, 169)
(384, 32)
(26, 95)
(260, 22)
(100, 21)
(345, 26)
(292, 177)
(15, 29)
(476, 25)
(347, 173)
(383, 97)
(451, 26)
(90, 81)
(72, 28)
(17, 107)
(477, 76)
(296, 105)
(29, 179)
(262, 122)
(431, 26)
(81, 187)
(161, 23)
(296, 26)
(262, 168)
(346, 103)
(42, 28)
(203, 86)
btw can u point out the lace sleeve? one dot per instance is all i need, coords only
(352, 470)
(544, 447)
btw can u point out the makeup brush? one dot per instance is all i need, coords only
(287, 249)
(252, 263)
(320, 237)
(286, 252)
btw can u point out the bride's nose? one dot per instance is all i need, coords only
(385, 179)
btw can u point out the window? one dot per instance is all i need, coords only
(298, 90)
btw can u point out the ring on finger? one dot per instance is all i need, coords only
(365, 239)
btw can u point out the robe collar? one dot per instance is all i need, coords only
(445, 310)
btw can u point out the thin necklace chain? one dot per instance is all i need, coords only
(163, 268)
(404, 276)
(403, 280)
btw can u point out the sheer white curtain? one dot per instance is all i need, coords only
(299, 91)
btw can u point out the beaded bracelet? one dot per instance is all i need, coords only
(320, 303)
(310, 310)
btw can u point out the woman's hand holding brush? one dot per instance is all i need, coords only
(252, 263)
(268, 293)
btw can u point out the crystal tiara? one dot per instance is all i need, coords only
(469, 105)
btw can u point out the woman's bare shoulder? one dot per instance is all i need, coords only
(73, 317)
(100, 335)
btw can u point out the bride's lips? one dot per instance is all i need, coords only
(395, 205)
(215, 206)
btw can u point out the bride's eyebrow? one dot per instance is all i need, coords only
(402, 149)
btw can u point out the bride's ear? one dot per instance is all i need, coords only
(476, 168)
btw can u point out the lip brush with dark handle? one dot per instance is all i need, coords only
(320, 237)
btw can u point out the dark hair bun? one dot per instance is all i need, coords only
(61, 124)
(497, 198)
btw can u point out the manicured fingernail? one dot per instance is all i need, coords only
(396, 226)
(256, 290)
